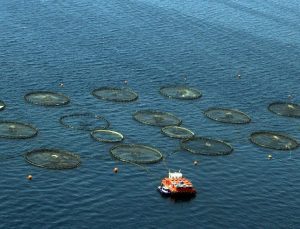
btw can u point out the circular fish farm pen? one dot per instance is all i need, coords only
(53, 159)
(115, 94)
(2, 105)
(107, 136)
(225, 115)
(285, 109)
(138, 154)
(46, 98)
(156, 118)
(177, 132)
(84, 121)
(16, 130)
(273, 140)
(180, 92)
(206, 146)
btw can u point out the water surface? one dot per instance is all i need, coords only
(150, 43)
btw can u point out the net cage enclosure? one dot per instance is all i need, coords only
(206, 146)
(105, 135)
(177, 132)
(136, 153)
(226, 115)
(2, 105)
(274, 140)
(52, 159)
(285, 109)
(17, 130)
(180, 92)
(47, 98)
(156, 118)
(115, 94)
(84, 121)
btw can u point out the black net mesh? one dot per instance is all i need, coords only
(47, 98)
(227, 115)
(107, 136)
(139, 154)
(206, 146)
(156, 118)
(180, 92)
(285, 109)
(177, 132)
(2, 105)
(273, 140)
(53, 159)
(84, 121)
(16, 130)
(115, 94)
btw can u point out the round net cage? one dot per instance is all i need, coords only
(272, 140)
(177, 132)
(139, 154)
(227, 115)
(2, 105)
(16, 130)
(47, 98)
(206, 146)
(107, 136)
(285, 109)
(156, 118)
(53, 159)
(115, 94)
(84, 121)
(180, 92)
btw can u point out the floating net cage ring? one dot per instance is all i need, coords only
(226, 115)
(177, 132)
(107, 136)
(47, 98)
(115, 94)
(53, 159)
(84, 121)
(285, 109)
(156, 118)
(273, 140)
(2, 105)
(17, 130)
(180, 92)
(206, 146)
(134, 153)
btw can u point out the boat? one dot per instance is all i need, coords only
(176, 185)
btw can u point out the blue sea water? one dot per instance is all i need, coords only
(89, 44)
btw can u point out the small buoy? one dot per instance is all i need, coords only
(269, 156)
(61, 85)
(115, 170)
(29, 177)
(195, 162)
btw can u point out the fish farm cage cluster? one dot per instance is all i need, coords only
(169, 124)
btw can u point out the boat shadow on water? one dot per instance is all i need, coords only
(178, 198)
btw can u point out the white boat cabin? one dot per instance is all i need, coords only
(175, 175)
